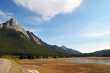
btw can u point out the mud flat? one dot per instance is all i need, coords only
(66, 65)
(90, 60)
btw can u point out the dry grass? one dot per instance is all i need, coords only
(61, 66)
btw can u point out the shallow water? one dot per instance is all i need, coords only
(90, 61)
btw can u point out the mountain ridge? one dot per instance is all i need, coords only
(17, 41)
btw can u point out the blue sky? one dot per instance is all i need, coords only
(83, 25)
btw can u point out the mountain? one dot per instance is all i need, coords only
(12, 24)
(14, 40)
(105, 52)
(100, 53)
(35, 39)
(70, 51)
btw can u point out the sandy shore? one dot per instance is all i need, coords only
(5, 66)
(10, 66)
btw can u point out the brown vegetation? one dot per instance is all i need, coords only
(61, 66)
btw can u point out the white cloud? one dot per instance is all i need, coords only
(49, 8)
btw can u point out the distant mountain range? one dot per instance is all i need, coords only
(14, 40)
(100, 53)
(105, 53)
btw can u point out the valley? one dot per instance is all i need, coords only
(54, 36)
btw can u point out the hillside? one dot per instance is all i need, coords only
(105, 52)
(100, 53)
(25, 43)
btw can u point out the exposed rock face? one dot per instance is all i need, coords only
(70, 51)
(11, 24)
(35, 39)
(14, 25)
(24, 41)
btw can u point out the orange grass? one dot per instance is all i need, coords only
(61, 66)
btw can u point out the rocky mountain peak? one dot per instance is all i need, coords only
(10, 24)
(13, 25)
(27, 42)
